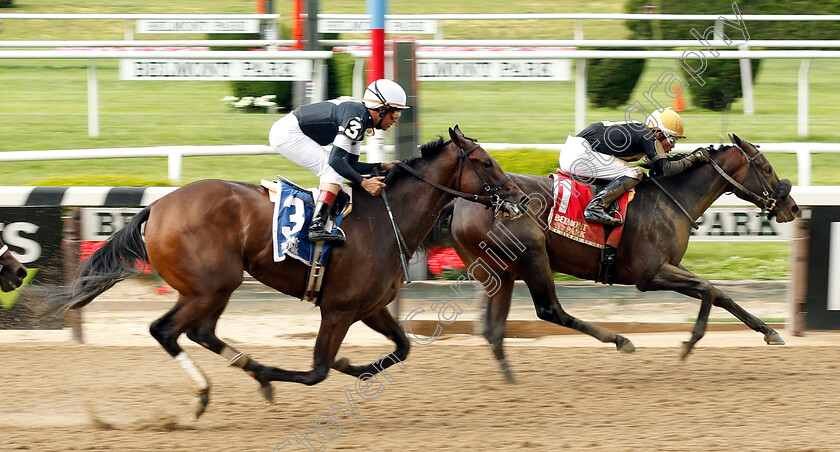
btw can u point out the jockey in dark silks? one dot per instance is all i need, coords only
(301, 135)
(604, 150)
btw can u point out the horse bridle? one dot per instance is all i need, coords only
(766, 201)
(492, 200)
(769, 197)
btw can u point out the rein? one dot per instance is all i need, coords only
(693, 223)
(491, 200)
(766, 200)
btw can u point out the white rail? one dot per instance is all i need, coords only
(175, 154)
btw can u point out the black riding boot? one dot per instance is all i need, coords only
(596, 210)
(317, 233)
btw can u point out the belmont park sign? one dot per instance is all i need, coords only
(215, 69)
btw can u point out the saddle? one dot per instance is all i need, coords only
(566, 219)
(293, 208)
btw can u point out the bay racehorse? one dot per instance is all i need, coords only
(12, 272)
(653, 242)
(201, 237)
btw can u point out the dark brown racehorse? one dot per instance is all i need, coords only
(201, 237)
(653, 243)
(12, 272)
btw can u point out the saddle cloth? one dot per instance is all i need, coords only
(293, 208)
(566, 217)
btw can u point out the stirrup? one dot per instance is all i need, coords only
(320, 235)
(599, 215)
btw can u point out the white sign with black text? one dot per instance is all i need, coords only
(216, 70)
(507, 70)
(98, 224)
(363, 26)
(739, 225)
(199, 26)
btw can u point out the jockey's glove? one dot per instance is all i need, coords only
(700, 155)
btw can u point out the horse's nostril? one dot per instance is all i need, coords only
(795, 209)
(525, 201)
(21, 273)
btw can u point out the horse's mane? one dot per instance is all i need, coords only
(427, 151)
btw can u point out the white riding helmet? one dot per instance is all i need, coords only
(668, 121)
(385, 93)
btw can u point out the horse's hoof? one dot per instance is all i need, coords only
(685, 349)
(341, 364)
(624, 345)
(774, 338)
(201, 404)
(267, 392)
(509, 377)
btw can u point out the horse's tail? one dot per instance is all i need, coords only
(440, 234)
(122, 257)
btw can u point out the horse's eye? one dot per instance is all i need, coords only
(488, 164)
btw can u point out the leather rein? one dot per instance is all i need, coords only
(492, 200)
(766, 201)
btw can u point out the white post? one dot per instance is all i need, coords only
(578, 29)
(93, 100)
(803, 98)
(580, 94)
(746, 82)
(319, 90)
(359, 78)
(129, 30)
(175, 163)
(803, 165)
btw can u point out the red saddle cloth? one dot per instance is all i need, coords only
(566, 218)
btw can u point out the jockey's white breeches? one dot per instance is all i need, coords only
(288, 140)
(579, 159)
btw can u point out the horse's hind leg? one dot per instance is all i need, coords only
(498, 308)
(167, 329)
(204, 334)
(384, 323)
(722, 300)
(540, 282)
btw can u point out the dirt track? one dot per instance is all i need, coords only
(122, 392)
(67, 397)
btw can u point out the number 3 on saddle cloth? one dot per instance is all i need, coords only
(566, 218)
(293, 209)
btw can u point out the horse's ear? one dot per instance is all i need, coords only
(456, 134)
(734, 139)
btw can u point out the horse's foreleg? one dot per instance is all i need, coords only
(540, 283)
(498, 308)
(334, 326)
(384, 323)
(721, 299)
(205, 335)
(166, 330)
(679, 279)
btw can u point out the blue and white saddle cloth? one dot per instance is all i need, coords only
(293, 210)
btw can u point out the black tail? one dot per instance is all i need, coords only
(440, 234)
(119, 259)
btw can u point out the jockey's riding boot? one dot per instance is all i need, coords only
(596, 210)
(317, 233)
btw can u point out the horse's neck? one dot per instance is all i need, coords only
(417, 205)
(697, 190)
